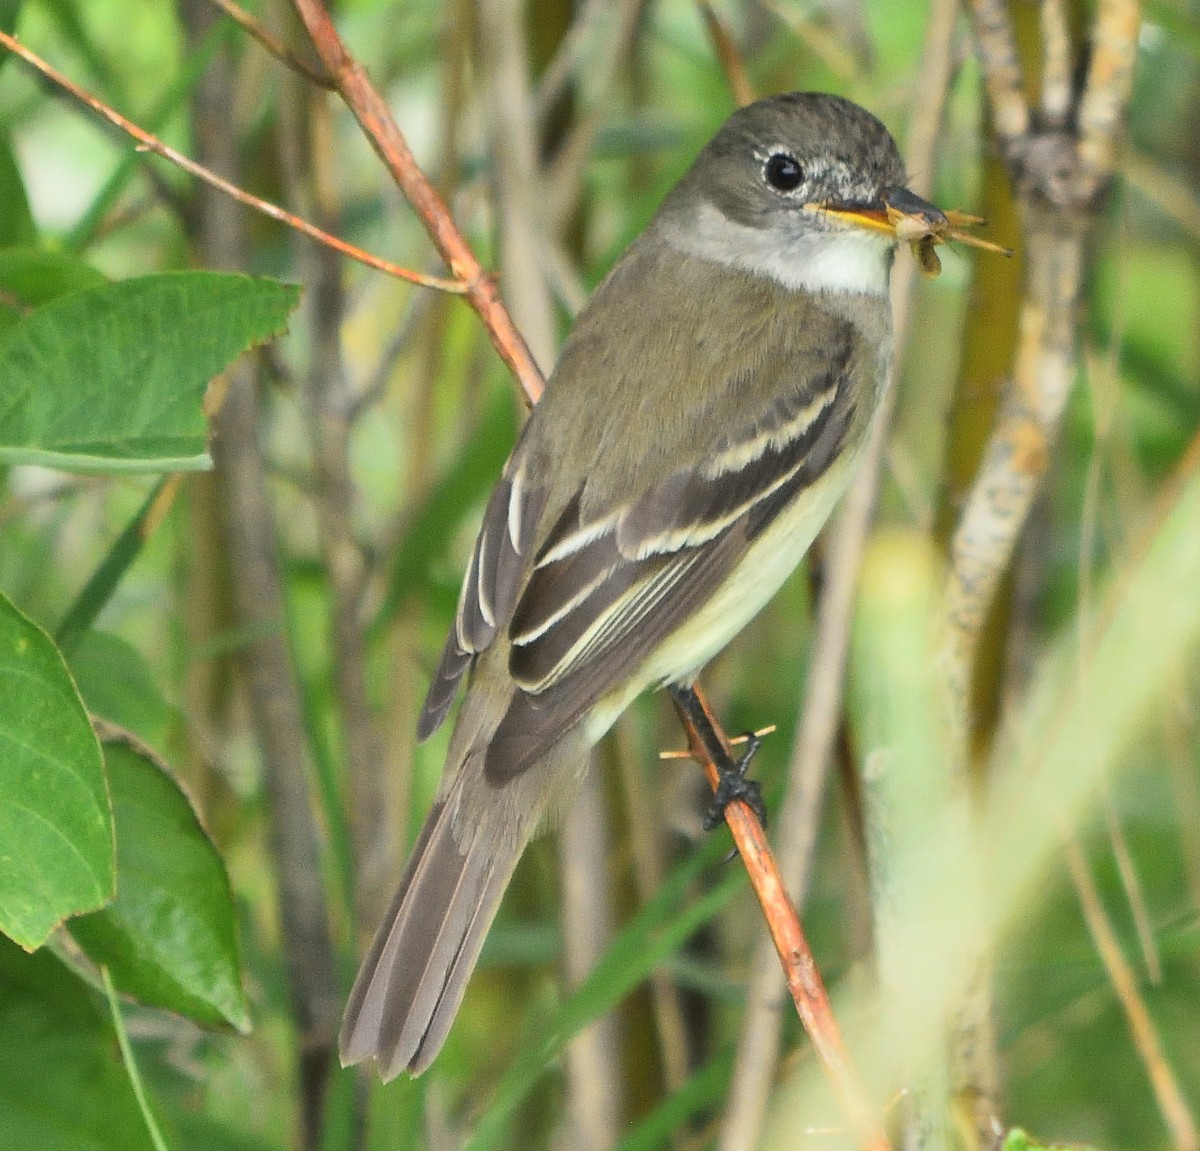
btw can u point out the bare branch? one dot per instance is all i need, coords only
(274, 46)
(375, 118)
(149, 143)
(997, 48)
(708, 743)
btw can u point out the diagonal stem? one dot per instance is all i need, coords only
(710, 747)
(375, 118)
(151, 143)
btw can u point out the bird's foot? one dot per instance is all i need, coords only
(733, 785)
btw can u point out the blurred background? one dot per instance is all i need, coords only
(553, 129)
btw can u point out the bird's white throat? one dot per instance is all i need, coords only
(802, 260)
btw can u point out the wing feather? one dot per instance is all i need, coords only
(491, 586)
(602, 592)
(591, 614)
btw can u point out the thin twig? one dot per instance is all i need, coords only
(150, 143)
(376, 120)
(272, 44)
(802, 975)
(733, 63)
(1171, 1102)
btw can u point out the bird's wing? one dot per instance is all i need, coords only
(605, 592)
(498, 565)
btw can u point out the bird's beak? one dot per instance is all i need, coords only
(898, 213)
(904, 216)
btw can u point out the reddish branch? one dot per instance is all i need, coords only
(150, 143)
(272, 44)
(796, 957)
(373, 115)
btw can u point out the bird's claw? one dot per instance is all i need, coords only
(733, 784)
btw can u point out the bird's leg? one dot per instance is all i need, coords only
(733, 783)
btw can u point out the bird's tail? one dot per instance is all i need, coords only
(414, 975)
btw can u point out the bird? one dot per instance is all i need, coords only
(705, 413)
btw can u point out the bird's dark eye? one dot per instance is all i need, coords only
(783, 172)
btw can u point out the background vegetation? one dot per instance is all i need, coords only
(1008, 920)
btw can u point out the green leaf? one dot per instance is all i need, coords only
(56, 835)
(35, 276)
(118, 684)
(168, 939)
(111, 378)
(9, 11)
(61, 1083)
(16, 220)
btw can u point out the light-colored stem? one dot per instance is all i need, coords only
(800, 812)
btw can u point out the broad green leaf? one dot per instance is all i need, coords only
(62, 1085)
(111, 378)
(118, 684)
(9, 11)
(35, 276)
(168, 938)
(56, 835)
(16, 220)
(30, 277)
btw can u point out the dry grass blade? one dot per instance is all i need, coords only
(1171, 1101)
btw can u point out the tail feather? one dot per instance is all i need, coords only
(415, 973)
(416, 970)
(447, 1005)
